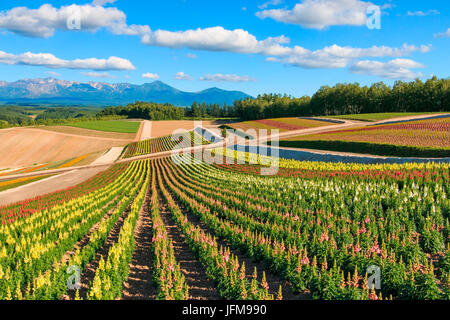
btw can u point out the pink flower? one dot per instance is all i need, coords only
(305, 260)
(324, 237)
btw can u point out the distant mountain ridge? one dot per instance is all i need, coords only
(50, 90)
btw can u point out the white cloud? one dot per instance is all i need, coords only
(422, 13)
(226, 78)
(270, 3)
(394, 69)
(319, 14)
(339, 57)
(46, 20)
(149, 75)
(102, 2)
(50, 61)
(182, 76)
(98, 75)
(445, 34)
(214, 39)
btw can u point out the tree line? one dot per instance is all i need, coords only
(432, 95)
(341, 99)
(157, 111)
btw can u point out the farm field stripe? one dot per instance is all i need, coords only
(113, 271)
(212, 227)
(41, 250)
(249, 288)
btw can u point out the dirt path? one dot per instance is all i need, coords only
(146, 131)
(408, 118)
(200, 287)
(140, 285)
(109, 156)
(273, 280)
(50, 185)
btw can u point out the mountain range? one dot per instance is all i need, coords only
(54, 91)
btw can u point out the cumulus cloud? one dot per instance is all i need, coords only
(319, 14)
(422, 13)
(104, 75)
(50, 61)
(226, 78)
(445, 34)
(339, 57)
(214, 39)
(182, 76)
(46, 20)
(394, 69)
(149, 75)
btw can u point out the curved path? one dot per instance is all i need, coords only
(49, 185)
(82, 173)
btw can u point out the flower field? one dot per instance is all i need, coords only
(281, 124)
(162, 144)
(425, 135)
(311, 232)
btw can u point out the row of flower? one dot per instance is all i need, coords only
(166, 271)
(113, 271)
(403, 229)
(426, 133)
(240, 157)
(23, 209)
(222, 266)
(166, 143)
(31, 248)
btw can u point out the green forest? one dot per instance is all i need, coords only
(341, 99)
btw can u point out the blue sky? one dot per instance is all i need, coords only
(261, 46)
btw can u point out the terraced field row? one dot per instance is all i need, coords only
(165, 143)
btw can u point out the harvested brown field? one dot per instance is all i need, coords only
(25, 146)
(90, 133)
(165, 128)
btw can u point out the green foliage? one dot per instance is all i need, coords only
(145, 110)
(342, 99)
(108, 126)
(65, 113)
